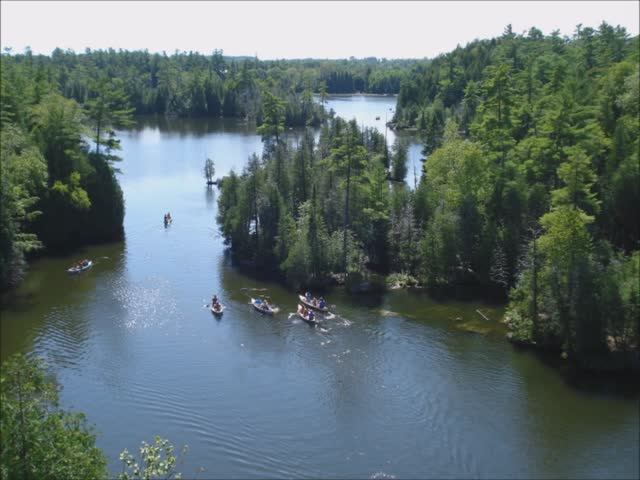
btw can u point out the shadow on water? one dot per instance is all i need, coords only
(51, 299)
(210, 197)
(191, 127)
(614, 384)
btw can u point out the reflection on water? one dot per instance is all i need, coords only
(392, 385)
(173, 127)
(210, 197)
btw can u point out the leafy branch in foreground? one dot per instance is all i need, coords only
(157, 460)
(40, 440)
(37, 438)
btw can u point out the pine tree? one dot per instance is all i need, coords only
(108, 108)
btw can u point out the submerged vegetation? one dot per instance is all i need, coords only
(529, 189)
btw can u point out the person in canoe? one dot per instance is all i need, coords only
(311, 315)
(308, 296)
(322, 303)
(305, 312)
(214, 301)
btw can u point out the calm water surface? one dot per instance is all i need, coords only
(398, 384)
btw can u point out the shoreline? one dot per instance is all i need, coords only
(622, 365)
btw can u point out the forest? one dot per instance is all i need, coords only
(528, 193)
(529, 190)
(60, 113)
(193, 84)
(527, 204)
(58, 160)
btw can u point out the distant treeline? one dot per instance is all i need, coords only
(531, 186)
(192, 84)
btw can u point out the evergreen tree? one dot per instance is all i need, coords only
(108, 108)
(399, 161)
(39, 440)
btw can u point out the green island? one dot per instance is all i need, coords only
(525, 201)
(529, 189)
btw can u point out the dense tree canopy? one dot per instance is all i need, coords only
(192, 84)
(38, 439)
(57, 192)
(544, 196)
(529, 189)
(302, 209)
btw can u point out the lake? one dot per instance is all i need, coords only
(395, 385)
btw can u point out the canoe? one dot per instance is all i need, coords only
(311, 305)
(81, 269)
(268, 311)
(217, 312)
(307, 319)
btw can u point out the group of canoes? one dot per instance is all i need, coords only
(80, 266)
(167, 219)
(306, 308)
(308, 304)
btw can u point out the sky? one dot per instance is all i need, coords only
(293, 29)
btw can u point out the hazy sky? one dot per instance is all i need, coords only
(292, 29)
